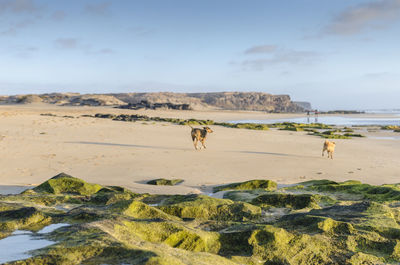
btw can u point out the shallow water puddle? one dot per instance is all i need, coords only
(18, 245)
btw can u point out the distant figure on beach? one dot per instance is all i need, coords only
(200, 135)
(329, 147)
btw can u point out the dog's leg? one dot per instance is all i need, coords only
(195, 143)
(202, 142)
(323, 150)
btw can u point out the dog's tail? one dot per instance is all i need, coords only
(189, 125)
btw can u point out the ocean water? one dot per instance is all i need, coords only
(393, 118)
(18, 245)
(331, 120)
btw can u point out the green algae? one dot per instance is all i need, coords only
(63, 183)
(365, 191)
(207, 208)
(295, 201)
(28, 218)
(248, 185)
(113, 194)
(140, 210)
(116, 226)
(266, 199)
(165, 182)
(173, 234)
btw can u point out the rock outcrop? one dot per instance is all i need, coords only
(253, 101)
(303, 104)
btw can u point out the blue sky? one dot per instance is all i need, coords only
(334, 54)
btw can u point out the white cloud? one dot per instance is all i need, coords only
(67, 43)
(98, 8)
(261, 49)
(372, 15)
(274, 55)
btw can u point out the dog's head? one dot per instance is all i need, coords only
(208, 129)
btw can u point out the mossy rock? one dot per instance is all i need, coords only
(278, 246)
(23, 218)
(390, 127)
(63, 183)
(140, 210)
(368, 215)
(248, 185)
(47, 199)
(365, 259)
(235, 239)
(244, 195)
(295, 201)
(172, 234)
(207, 208)
(113, 194)
(328, 225)
(317, 182)
(365, 191)
(252, 126)
(165, 182)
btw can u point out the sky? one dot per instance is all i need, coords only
(341, 54)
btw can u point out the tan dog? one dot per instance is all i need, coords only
(329, 147)
(199, 135)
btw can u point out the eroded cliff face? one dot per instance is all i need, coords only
(222, 100)
(254, 101)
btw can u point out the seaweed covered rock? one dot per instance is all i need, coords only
(23, 218)
(278, 246)
(359, 190)
(248, 185)
(208, 208)
(172, 234)
(265, 199)
(295, 201)
(63, 183)
(116, 226)
(140, 210)
(112, 194)
(165, 182)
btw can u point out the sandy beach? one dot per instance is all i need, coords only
(128, 154)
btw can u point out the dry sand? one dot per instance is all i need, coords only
(108, 152)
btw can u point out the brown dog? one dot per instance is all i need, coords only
(199, 135)
(329, 147)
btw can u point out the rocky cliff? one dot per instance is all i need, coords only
(254, 101)
(222, 100)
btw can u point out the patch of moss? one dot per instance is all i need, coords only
(140, 210)
(166, 182)
(28, 218)
(361, 258)
(248, 185)
(63, 183)
(390, 127)
(207, 208)
(278, 246)
(295, 201)
(366, 191)
(252, 126)
(353, 135)
(113, 194)
(173, 234)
